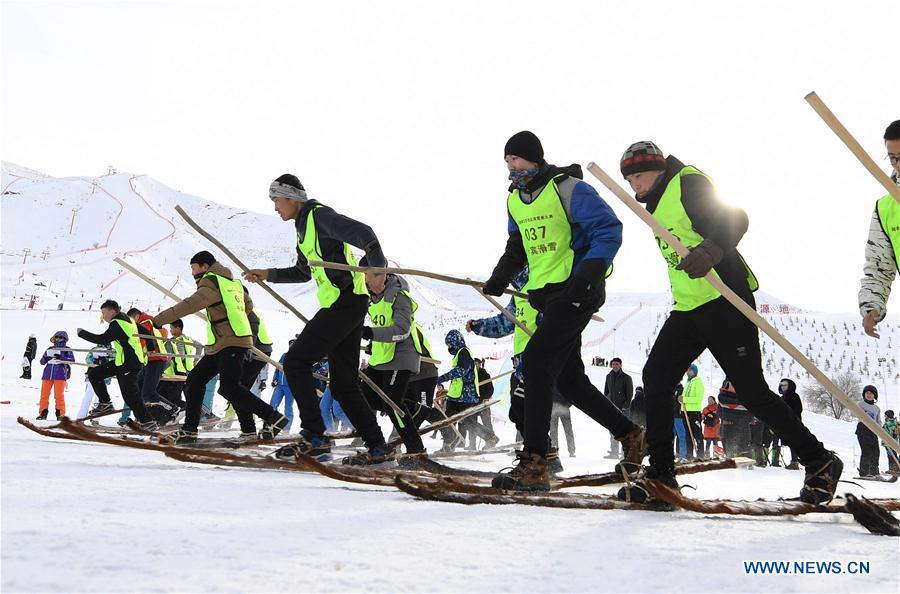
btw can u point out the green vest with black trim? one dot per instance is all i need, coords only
(184, 364)
(420, 341)
(688, 293)
(546, 235)
(262, 333)
(134, 343)
(308, 244)
(456, 384)
(382, 315)
(889, 215)
(528, 316)
(232, 292)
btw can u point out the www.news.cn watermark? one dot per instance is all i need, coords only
(806, 567)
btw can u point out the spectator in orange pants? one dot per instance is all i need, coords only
(56, 372)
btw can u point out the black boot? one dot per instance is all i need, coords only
(59, 415)
(637, 491)
(273, 427)
(821, 480)
(101, 407)
(43, 415)
(634, 448)
(308, 445)
(377, 455)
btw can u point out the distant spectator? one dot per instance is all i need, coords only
(890, 426)
(788, 390)
(868, 442)
(680, 427)
(619, 390)
(28, 357)
(562, 413)
(638, 408)
(711, 424)
(735, 428)
(56, 373)
(693, 405)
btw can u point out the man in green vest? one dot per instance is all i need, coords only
(693, 405)
(250, 374)
(229, 338)
(394, 354)
(882, 246)
(336, 329)
(568, 236)
(684, 200)
(128, 362)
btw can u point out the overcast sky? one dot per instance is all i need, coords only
(396, 113)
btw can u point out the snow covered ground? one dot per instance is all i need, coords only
(89, 517)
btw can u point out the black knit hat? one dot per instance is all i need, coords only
(291, 180)
(871, 389)
(203, 257)
(642, 156)
(526, 145)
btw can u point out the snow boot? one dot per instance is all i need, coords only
(491, 442)
(412, 460)
(310, 444)
(821, 480)
(529, 474)
(101, 407)
(247, 436)
(150, 426)
(634, 448)
(554, 465)
(637, 491)
(182, 436)
(25, 375)
(377, 455)
(59, 414)
(43, 415)
(794, 465)
(776, 458)
(272, 428)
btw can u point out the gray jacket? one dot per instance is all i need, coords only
(879, 270)
(405, 356)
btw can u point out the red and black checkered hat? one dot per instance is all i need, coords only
(642, 156)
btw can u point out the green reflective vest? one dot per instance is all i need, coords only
(693, 394)
(134, 343)
(688, 293)
(262, 334)
(326, 292)
(456, 384)
(184, 364)
(382, 315)
(889, 215)
(232, 292)
(546, 236)
(420, 341)
(169, 371)
(528, 316)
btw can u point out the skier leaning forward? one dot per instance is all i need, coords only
(568, 236)
(336, 329)
(229, 337)
(684, 200)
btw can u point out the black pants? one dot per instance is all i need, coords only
(127, 379)
(227, 363)
(423, 412)
(734, 341)
(172, 392)
(553, 357)
(249, 373)
(869, 452)
(517, 404)
(394, 385)
(470, 424)
(334, 331)
(148, 380)
(422, 391)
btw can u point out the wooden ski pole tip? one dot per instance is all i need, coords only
(810, 95)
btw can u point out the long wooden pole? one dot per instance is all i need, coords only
(862, 156)
(279, 299)
(410, 271)
(239, 263)
(750, 313)
(153, 283)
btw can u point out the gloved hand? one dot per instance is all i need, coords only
(702, 258)
(494, 287)
(588, 283)
(367, 333)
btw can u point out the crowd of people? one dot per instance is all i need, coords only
(562, 238)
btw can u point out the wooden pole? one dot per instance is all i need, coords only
(831, 120)
(661, 231)
(240, 264)
(153, 284)
(410, 271)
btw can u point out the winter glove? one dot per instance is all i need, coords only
(367, 333)
(494, 286)
(588, 283)
(701, 259)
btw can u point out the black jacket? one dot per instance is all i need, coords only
(619, 389)
(792, 399)
(722, 224)
(333, 231)
(115, 333)
(31, 348)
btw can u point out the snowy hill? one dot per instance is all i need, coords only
(60, 235)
